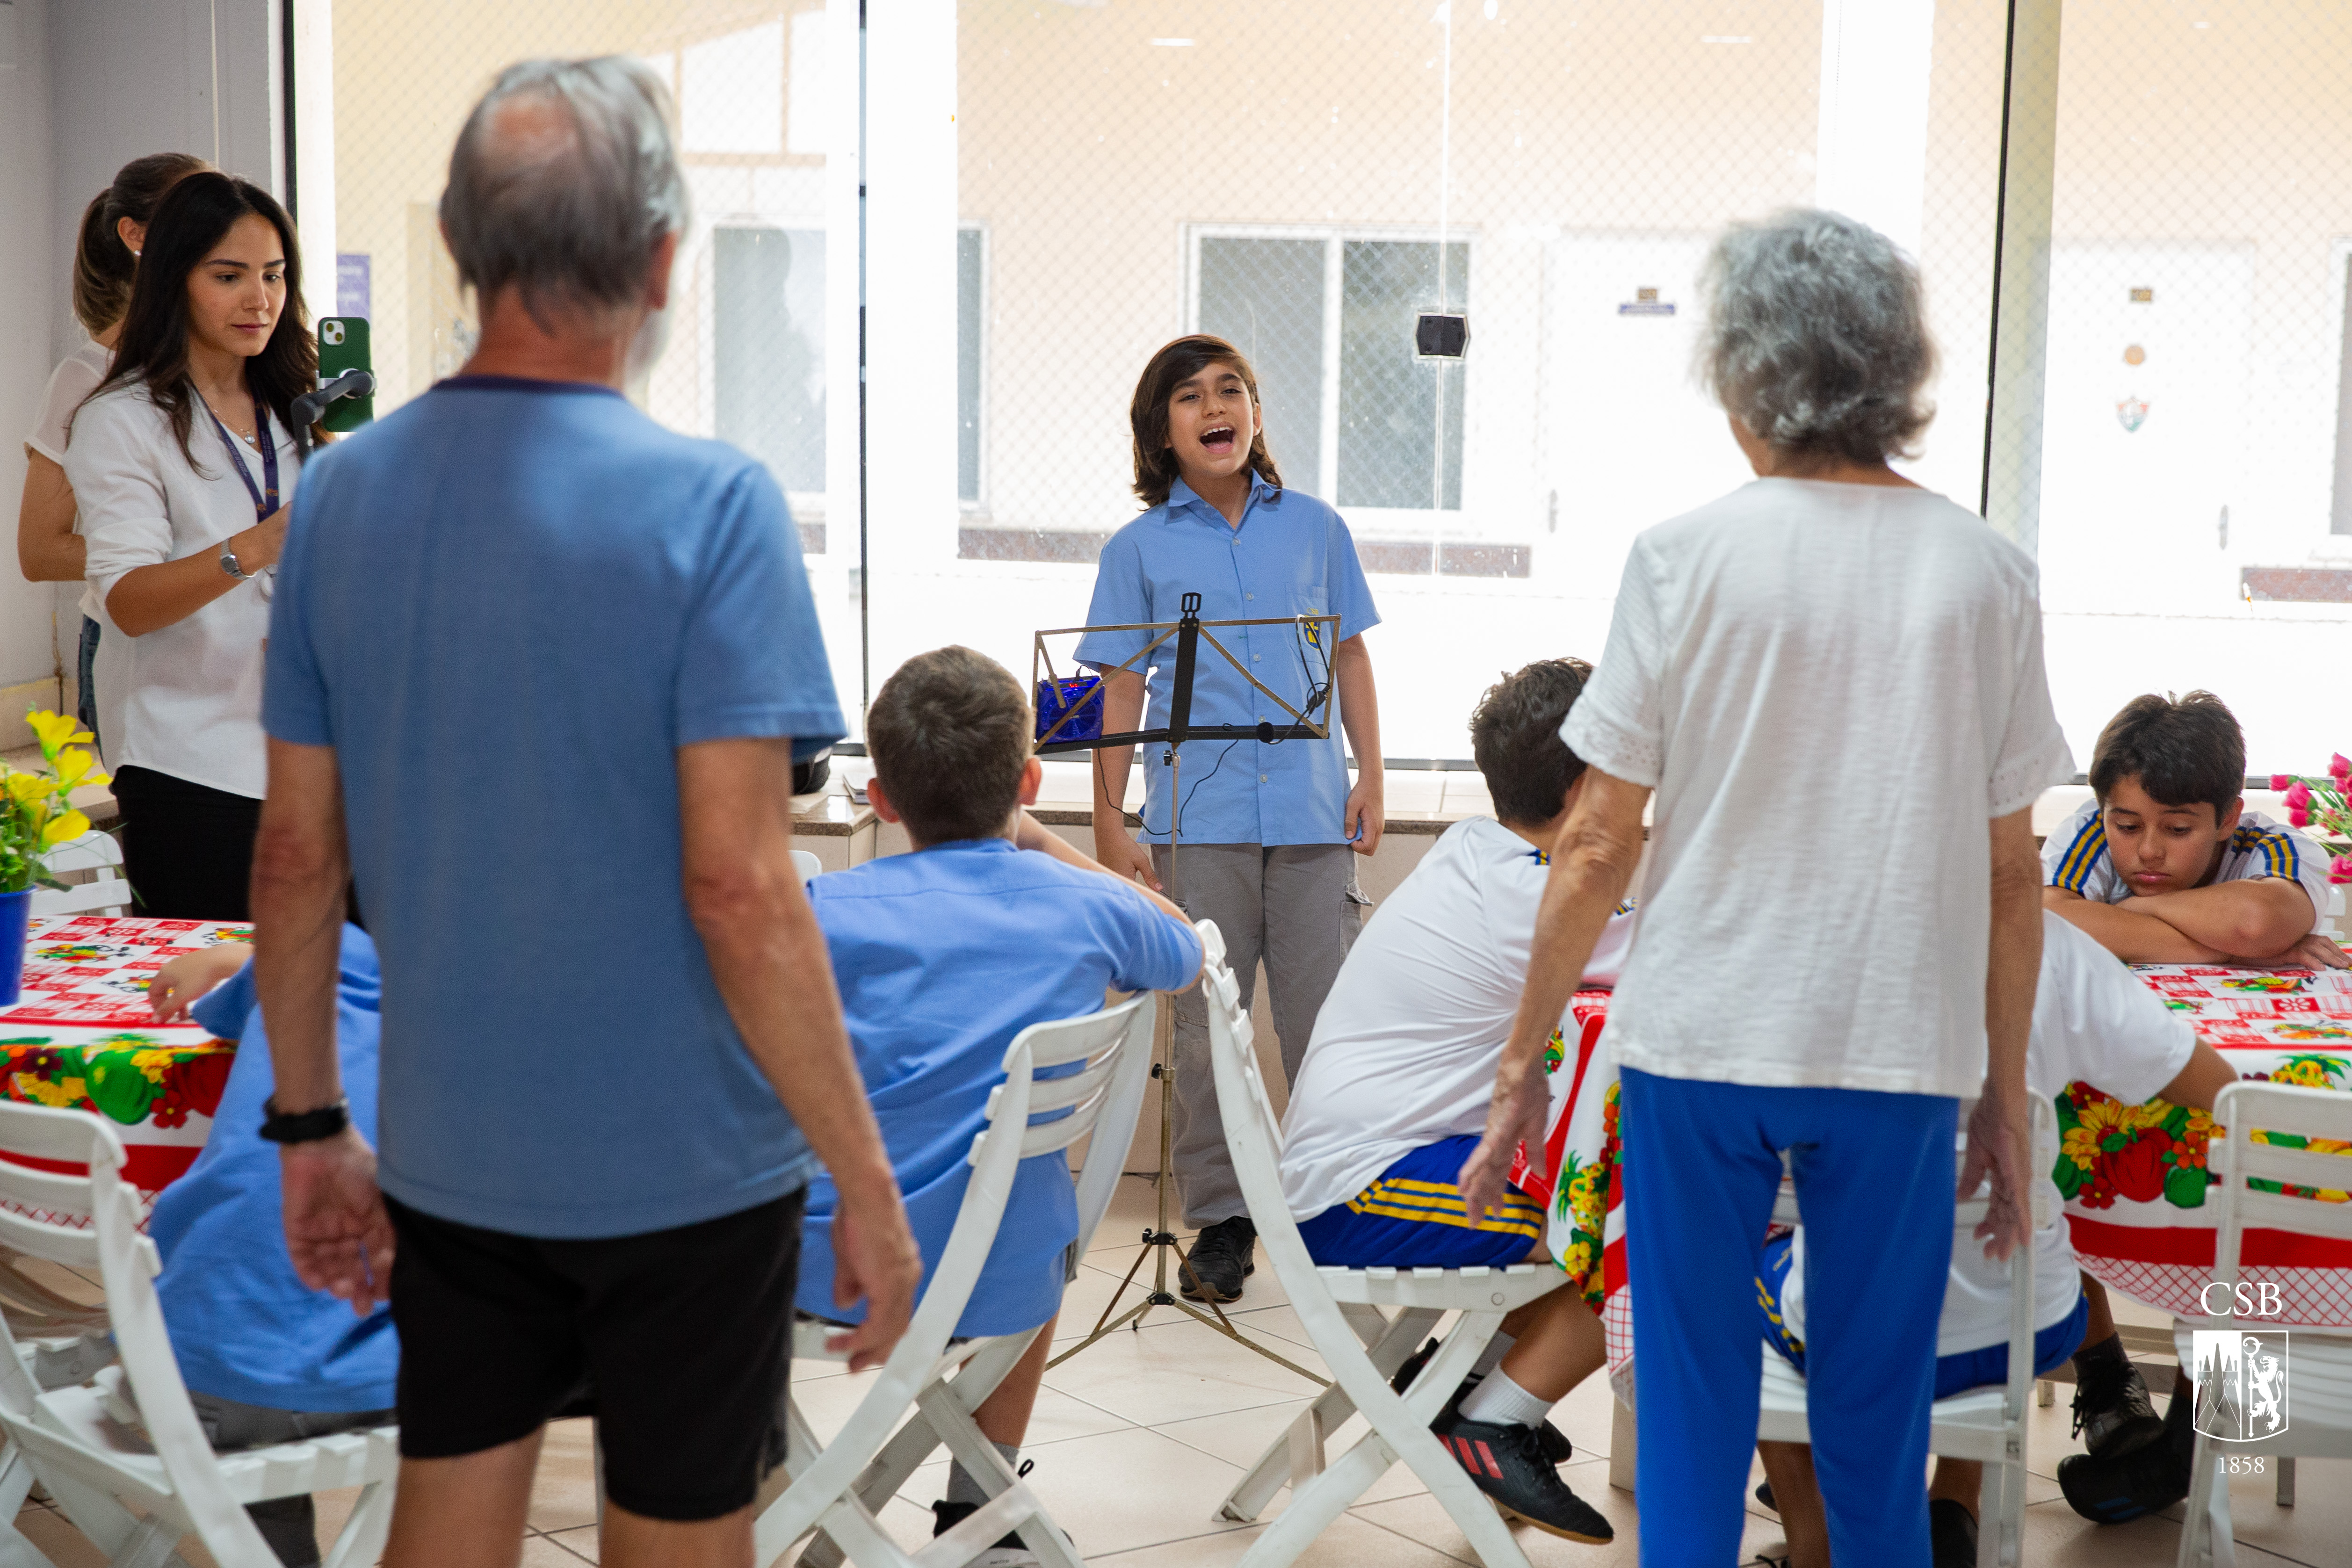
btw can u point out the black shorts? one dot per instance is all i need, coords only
(678, 1341)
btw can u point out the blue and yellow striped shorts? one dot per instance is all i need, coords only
(1412, 1217)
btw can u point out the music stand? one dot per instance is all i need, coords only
(1319, 631)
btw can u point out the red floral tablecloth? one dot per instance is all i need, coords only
(2134, 1176)
(81, 1036)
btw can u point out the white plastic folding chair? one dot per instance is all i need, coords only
(1361, 1345)
(837, 1487)
(2318, 1365)
(808, 865)
(98, 854)
(80, 1442)
(1984, 1424)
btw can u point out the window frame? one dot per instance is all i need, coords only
(977, 502)
(1406, 521)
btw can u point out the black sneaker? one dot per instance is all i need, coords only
(1764, 1496)
(1556, 1445)
(1223, 1256)
(1951, 1533)
(2113, 1413)
(2111, 1489)
(1007, 1553)
(1508, 1464)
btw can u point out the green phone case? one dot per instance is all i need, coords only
(344, 346)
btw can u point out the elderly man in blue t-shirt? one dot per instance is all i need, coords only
(612, 1055)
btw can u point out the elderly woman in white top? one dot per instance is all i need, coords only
(184, 463)
(1828, 649)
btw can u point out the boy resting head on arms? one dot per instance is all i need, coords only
(1394, 1093)
(942, 956)
(2165, 865)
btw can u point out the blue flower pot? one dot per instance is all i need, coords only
(14, 909)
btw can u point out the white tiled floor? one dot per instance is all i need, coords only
(1137, 1441)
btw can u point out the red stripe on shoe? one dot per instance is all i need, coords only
(1487, 1454)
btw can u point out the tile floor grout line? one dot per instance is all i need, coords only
(1472, 1560)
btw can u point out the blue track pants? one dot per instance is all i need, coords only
(1874, 1175)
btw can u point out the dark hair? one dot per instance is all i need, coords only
(103, 266)
(949, 733)
(193, 218)
(1155, 461)
(2183, 751)
(1515, 735)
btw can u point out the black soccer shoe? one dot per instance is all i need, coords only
(2149, 1480)
(1007, 1553)
(1951, 1533)
(1555, 1446)
(1764, 1495)
(1223, 1256)
(1508, 1464)
(2113, 1413)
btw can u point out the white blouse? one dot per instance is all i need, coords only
(194, 707)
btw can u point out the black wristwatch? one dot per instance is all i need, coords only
(304, 1126)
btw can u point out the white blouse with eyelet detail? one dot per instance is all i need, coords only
(193, 705)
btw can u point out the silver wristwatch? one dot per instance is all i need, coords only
(228, 564)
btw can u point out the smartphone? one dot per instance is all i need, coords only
(344, 346)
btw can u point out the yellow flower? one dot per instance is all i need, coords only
(67, 825)
(30, 789)
(68, 1091)
(73, 769)
(1578, 1260)
(54, 729)
(2081, 1146)
(2140, 1117)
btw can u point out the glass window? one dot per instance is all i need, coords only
(1399, 415)
(1265, 297)
(768, 350)
(971, 306)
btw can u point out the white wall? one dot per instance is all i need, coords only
(84, 87)
(26, 320)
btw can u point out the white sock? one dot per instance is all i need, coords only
(1499, 1402)
(1492, 1357)
(963, 1487)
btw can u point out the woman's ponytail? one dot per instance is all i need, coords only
(103, 266)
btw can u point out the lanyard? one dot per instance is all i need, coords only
(264, 504)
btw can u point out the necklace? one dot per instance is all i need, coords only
(244, 430)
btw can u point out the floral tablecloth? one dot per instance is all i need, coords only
(2134, 1176)
(80, 1036)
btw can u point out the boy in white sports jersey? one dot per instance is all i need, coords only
(1394, 1093)
(2164, 865)
(2093, 1022)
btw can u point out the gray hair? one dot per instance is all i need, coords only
(568, 203)
(1816, 336)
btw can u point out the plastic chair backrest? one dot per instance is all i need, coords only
(808, 865)
(100, 1225)
(2280, 1111)
(1253, 1131)
(93, 852)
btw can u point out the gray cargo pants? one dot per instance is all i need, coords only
(1298, 906)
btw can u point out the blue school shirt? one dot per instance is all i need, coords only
(1291, 556)
(242, 1324)
(944, 955)
(506, 606)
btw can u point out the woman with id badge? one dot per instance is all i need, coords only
(184, 463)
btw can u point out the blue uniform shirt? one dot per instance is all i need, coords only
(942, 956)
(506, 607)
(1291, 556)
(242, 1324)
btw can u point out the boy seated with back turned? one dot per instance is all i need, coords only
(1394, 1094)
(2164, 865)
(942, 956)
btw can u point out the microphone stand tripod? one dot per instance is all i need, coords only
(1160, 1241)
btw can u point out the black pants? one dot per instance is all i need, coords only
(187, 849)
